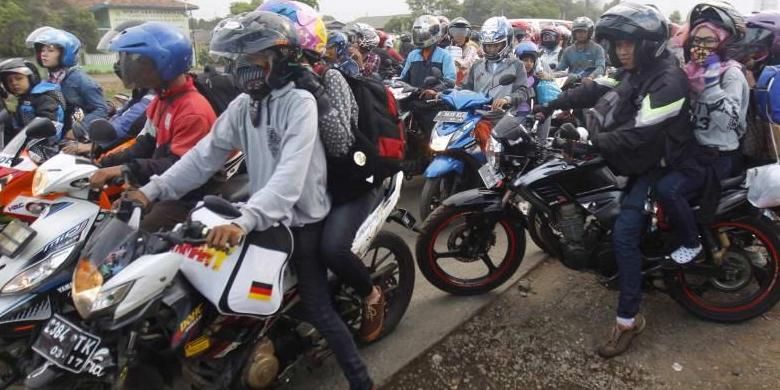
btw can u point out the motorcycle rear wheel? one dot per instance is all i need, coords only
(750, 279)
(458, 243)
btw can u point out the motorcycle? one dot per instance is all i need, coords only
(457, 153)
(145, 315)
(580, 198)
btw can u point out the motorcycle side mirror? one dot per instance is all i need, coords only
(221, 206)
(40, 128)
(507, 79)
(102, 131)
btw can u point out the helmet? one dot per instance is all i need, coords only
(366, 36)
(522, 28)
(340, 41)
(755, 45)
(527, 48)
(252, 33)
(65, 41)
(20, 66)
(426, 31)
(496, 30)
(720, 13)
(105, 41)
(639, 23)
(167, 47)
(550, 37)
(406, 38)
(460, 27)
(382, 38)
(444, 22)
(583, 23)
(389, 42)
(312, 34)
(565, 34)
(769, 20)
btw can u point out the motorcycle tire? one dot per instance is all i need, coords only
(767, 233)
(398, 302)
(440, 219)
(541, 234)
(434, 191)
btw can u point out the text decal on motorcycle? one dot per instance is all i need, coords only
(210, 257)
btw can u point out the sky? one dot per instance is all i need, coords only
(348, 10)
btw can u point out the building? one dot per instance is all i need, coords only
(110, 13)
(764, 5)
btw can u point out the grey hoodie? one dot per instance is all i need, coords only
(720, 112)
(484, 77)
(284, 157)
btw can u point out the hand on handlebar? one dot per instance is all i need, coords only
(103, 176)
(542, 112)
(500, 104)
(134, 196)
(574, 149)
(225, 236)
(428, 94)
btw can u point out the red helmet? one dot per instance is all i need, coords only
(382, 37)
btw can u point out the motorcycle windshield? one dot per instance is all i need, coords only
(464, 99)
(108, 251)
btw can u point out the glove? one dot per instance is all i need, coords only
(542, 112)
(712, 70)
(578, 149)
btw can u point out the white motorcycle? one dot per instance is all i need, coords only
(230, 319)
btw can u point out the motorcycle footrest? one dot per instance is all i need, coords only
(403, 217)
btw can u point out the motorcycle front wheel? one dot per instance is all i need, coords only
(460, 253)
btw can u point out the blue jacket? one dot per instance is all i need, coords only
(44, 100)
(125, 119)
(82, 91)
(416, 68)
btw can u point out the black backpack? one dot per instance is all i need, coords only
(217, 87)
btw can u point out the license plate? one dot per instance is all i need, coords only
(451, 116)
(489, 178)
(66, 345)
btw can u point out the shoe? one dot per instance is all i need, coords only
(621, 339)
(684, 255)
(373, 319)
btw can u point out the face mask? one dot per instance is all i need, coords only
(699, 54)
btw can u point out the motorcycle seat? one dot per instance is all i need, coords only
(733, 182)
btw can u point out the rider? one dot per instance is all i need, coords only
(406, 45)
(34, 98)
(584, 53)
(337, 54)
(275, 125)
(58, 51)
(528, 53)
(444, 41)
(337, 117)
(157, 56)
(389, 66)
(467, 53)
(639, 122)
(485, 74)
(720, 98)
(366, 40)
(551, 49)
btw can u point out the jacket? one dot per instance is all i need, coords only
(484, 76)
(131, 118)
(639, 120)
(417, 68)
(574, 60)
(81, 91)
(284, 157)
(44, 100)
(176, 120)
(720, 112)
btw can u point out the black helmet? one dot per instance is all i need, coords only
(236, 37)
(20, 66)
(723, 15)
(583, 23)
(633, 22)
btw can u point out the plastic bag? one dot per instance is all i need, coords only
(764, 186)
(546, 91)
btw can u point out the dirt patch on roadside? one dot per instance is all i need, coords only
(544, 337)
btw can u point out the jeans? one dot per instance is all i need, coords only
(336, 244)
(676, 189)
(318, 305)
(626, 238)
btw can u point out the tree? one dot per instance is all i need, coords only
(82, 24)
(399, 24)
(675, 17)
(448, 8)
(240, 7)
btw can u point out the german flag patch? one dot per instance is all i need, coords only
(261, 291)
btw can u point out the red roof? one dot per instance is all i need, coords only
(155, 4)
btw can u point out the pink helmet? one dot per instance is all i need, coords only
(312, 34)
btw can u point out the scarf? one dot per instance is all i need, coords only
(56, 76)
(695, 71)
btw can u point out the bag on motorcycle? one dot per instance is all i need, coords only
(217, 87)
(764, 186)
(247, 282)
(546, 91)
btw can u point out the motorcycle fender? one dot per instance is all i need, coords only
(442, 165)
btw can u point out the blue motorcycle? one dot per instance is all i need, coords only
(457, 153)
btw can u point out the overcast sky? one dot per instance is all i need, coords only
(347, 10)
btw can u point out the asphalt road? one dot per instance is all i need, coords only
(431, 316)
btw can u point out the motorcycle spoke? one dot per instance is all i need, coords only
(488, 262)
(450, 254)
(375, 264)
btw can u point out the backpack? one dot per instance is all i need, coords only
(767, 109)
(217, 87)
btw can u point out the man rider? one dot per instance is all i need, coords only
(551, 49)
(157, 56)
(639, 123)
(463, 50)
(584, 53)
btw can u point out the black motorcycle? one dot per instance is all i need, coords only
(578, 201)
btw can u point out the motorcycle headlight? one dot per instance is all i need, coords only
(40, 181)
(110, 298)
(36, 273)
(89, 297)
(439, 142)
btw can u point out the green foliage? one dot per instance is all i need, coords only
(240, 7)
(448, 8)
(204, 24)
(18, 18)
(399, 24)
(675, 17)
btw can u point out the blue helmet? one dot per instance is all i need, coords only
(496, 30)
(340, 41)
(67, 42)
(527, 48)
(166, 46)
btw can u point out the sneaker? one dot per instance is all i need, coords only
(684, 255)
(373, 319)
(621, 339)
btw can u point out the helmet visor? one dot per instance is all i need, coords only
(422, 37)
(34, 36)
(137, 71)
(459, 32)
